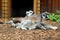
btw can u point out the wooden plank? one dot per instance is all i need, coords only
(49, 6)
(43, 5)
(54, 5)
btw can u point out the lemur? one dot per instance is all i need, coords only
(32, 21)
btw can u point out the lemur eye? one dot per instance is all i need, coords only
(43, 15)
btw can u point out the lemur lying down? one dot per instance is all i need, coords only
(31, 21)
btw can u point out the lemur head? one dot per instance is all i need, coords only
(29, 13)
(45, 15)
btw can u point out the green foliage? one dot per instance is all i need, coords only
(54, 17)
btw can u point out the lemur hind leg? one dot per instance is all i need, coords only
(41, 26)
(48, 26)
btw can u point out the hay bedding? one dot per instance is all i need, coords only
(8, 33)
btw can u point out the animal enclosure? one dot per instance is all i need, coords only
(15, 8)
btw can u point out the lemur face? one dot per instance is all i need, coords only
(45, 15)
(29, 13)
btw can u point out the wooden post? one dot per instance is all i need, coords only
(36, 6)
(6, 9)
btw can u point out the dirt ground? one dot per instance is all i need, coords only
(8, 33)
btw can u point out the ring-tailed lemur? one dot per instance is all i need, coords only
(29, 13)
(44, 16)
(32, 22)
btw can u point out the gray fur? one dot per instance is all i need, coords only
(28, 24)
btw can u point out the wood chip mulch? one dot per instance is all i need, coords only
(8, 33)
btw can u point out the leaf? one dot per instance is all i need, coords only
(54, 17)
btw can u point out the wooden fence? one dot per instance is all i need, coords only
(49, 5)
